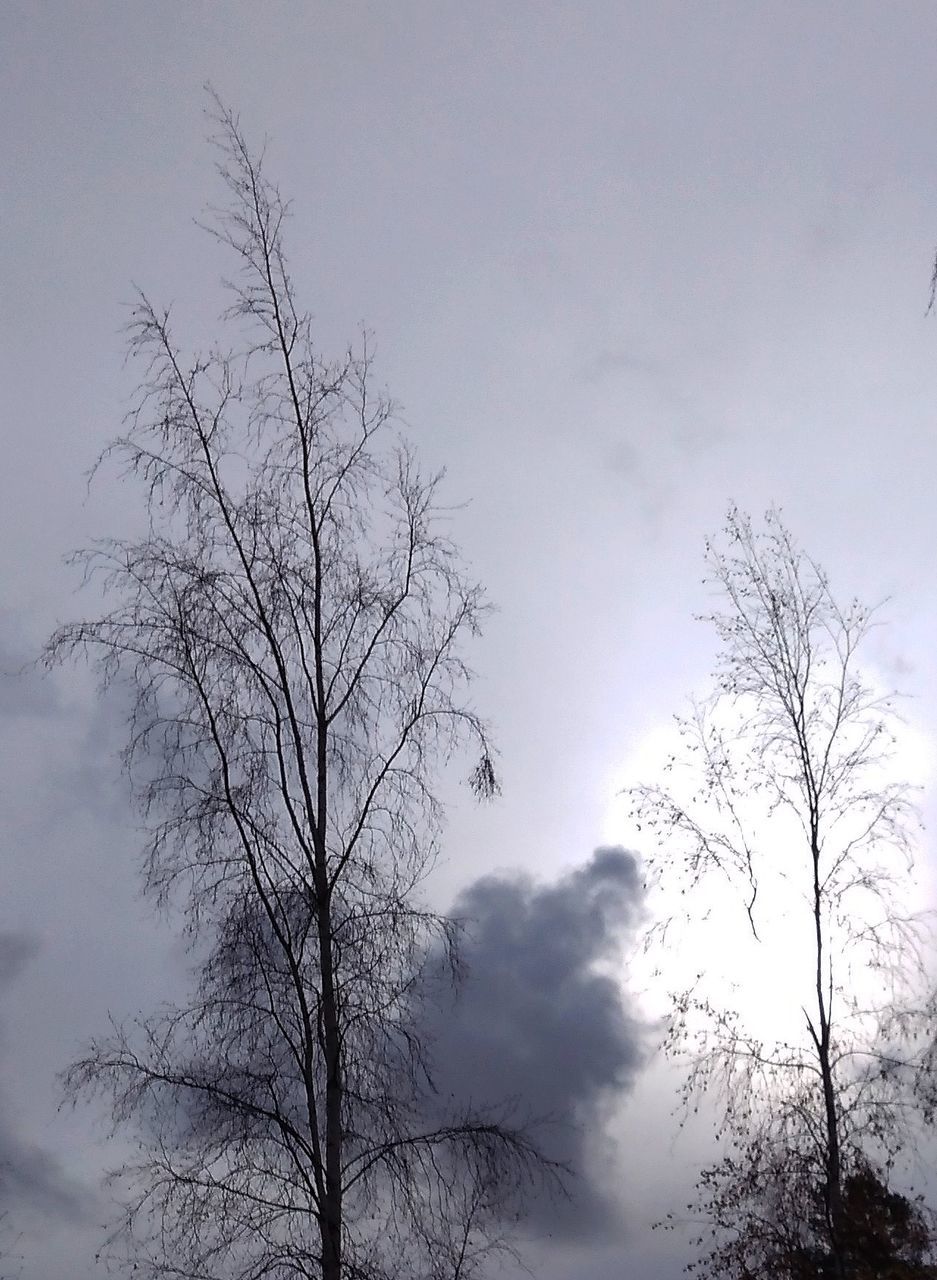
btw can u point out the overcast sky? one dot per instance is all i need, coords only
(624, 262)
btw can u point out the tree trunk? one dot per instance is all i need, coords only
(833, 1190)
(331, 1214)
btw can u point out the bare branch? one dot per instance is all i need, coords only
(790, 758)
(293, 630)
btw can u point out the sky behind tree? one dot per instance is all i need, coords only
(623, 264)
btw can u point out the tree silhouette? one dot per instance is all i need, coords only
(292, 629)
(769, 1214)
(791, 801)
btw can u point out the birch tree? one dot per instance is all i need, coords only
(292, 629)
(791, 797)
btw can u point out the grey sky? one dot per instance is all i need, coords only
(624, 262)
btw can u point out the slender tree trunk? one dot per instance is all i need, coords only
(331, 1217)
(833, 1171)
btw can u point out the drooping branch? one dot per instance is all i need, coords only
(293, 631)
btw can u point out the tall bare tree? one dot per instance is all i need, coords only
(292, 628)
(791, 802)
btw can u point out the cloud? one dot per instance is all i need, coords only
(30, 1177)
(609, 363)
(540, 1030)
(16, 949)
(23, 690)
(541, 1020)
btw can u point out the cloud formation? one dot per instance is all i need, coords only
(541, 1021)
(30, 1177)
(23, 691)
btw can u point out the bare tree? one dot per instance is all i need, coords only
(791, 802)
(292, 629)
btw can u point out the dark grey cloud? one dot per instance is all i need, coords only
(85, 730)
(543, 1021)
(23, 691)
(31, 1177)
(16, 949)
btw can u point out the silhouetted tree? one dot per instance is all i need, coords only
(791, 802)
(767, 1209)
(292, 628)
